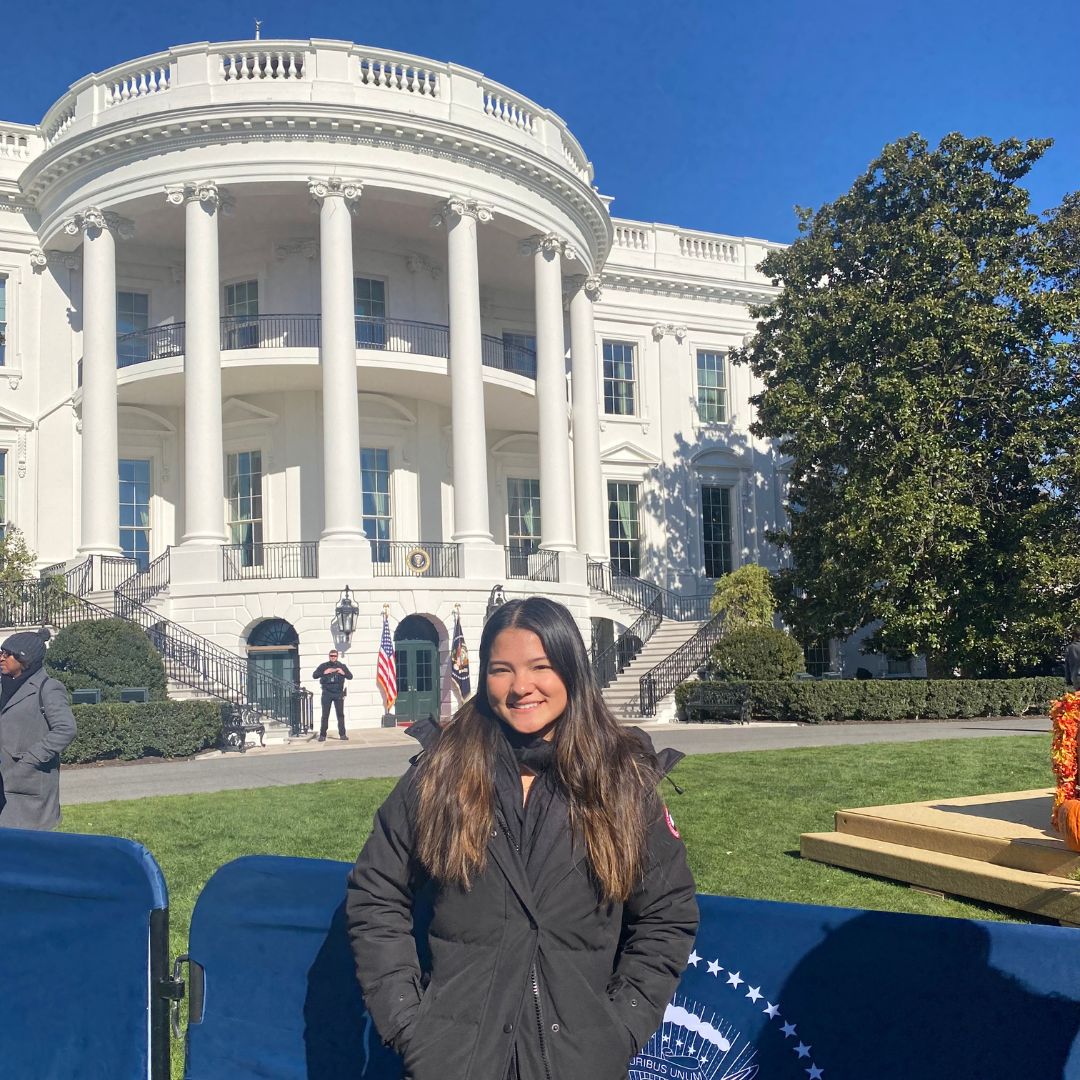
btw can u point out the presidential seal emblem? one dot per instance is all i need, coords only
(418, 561)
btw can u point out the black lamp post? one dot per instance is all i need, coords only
(346, 612)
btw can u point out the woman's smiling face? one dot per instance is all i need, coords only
(523, 688)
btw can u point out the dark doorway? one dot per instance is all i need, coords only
(416, 643)
(273, 649)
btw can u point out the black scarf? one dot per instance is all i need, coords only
(9, 684)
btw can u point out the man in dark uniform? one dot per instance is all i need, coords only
(332, 674)
(1072, 660)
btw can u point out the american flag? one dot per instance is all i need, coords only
(386, 666)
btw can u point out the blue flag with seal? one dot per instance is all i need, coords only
(459, 660)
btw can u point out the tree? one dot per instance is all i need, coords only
(918, 370)
(25, 599)
(744, 597)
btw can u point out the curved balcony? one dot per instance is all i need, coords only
(265, 332)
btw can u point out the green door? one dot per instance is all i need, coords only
(417, 680)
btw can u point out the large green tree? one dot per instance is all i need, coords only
(920, 372)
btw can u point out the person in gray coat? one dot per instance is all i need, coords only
(36, 724)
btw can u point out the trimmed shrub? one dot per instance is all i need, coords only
(106, 655)
(812, 702)
(757, 652)
(111, 731)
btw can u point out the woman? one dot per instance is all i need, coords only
(36, 724)
(523, 908)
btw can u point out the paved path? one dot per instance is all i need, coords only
(385, 753)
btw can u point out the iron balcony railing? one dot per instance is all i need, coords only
(112, 570)
(408, 558)
(240, 332)
(156, 343)
(661, 680)
(149, 581)
(532, 565)
(267, 562)
(270, 332)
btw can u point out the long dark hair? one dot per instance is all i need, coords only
(604, 772)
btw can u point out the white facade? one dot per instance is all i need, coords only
(317, 271)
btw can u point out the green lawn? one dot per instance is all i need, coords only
(741, 816)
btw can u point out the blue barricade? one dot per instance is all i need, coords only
(773, 991)
(84, 932)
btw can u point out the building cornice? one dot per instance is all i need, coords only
(687, 287)
(134, 140)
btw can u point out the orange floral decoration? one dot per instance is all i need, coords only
(1065, 722)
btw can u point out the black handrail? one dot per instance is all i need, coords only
(539, 565)
(296, 559)
(415, 558)
(155, 343)
(403, 335)
(661, 680)
(112, 570)
(639, 593)
(496, 353)
(199, 663)
(612, 661)
(79, 580)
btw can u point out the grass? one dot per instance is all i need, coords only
(741, 817)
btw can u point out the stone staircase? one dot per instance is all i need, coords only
(621, 695)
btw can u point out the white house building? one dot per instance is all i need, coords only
(284, 317)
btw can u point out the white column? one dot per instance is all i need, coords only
(469, 431)
(204, 455)
(100, 447)
(342, 506)
(556, 513)
(589, 496)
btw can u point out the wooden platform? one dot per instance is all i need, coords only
(999, 849)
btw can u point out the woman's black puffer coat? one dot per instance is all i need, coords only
(526, 974)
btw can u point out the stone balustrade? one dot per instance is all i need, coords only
(19, 141)
(665, 247)
(270, 72)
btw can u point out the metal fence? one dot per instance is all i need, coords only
(675, 669)
(270, 332)
(496, 353)
(243, 562)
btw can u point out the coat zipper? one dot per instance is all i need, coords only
(533, 977)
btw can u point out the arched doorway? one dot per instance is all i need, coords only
(416, 642)
(273, 648)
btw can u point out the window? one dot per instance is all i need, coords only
(519, 352)
(523, 516)
(369, 299)
(3, 319)
(818, 657)
(899, 665)
(711, 387)
(375, 501)
(132, 322)
(624, 527)
(716, 530)
(135, 510)
(619, 378)
(244, 486)
(241, 324)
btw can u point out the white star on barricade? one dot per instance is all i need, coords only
(773, 1011)
(802, 1050)
(679, 1043)
(788, 1030)
(714, 967)
(733, 979)
(754, 994)
(693, 960)
(814, 1072)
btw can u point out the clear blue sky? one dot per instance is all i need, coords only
(712, 115)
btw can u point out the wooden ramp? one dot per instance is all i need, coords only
(998, 849)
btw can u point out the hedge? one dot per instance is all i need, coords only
(812, 702)
(757, 652)
(107, 655)
(131, 731)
